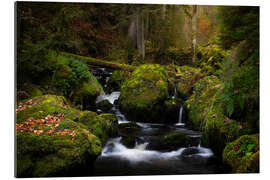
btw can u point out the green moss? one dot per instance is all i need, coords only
(100, 62)
(86, 93)
(33, 92)
(176, 139)
(104, 105)
(243, 154)
(144, 92)
(170, 142)
(129, 125)
(207, 113)
(129, 141)
(117, 79)
(186, 78)
(40, 106)
(71, 145)
(102, 125)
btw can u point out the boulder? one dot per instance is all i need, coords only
(104, 105)
(54, 139)
(243, 154)
(170, 142)
(143, 95)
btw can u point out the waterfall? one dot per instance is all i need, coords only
(180, 116)
(174, 93)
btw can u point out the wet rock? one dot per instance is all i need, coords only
(104, 105)
(190, 151)
(170, 142)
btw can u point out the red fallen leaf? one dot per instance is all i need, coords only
(51, 131)
(37, 121)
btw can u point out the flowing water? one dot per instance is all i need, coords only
(143, 157)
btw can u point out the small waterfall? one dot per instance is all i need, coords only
(180, 116)
(174, 92)
(110, 97)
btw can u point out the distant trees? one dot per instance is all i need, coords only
(239, 23)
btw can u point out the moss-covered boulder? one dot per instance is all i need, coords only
(102, 125)
(41, 106)
(207, 113)
(142, 96)
(33, 92)
(129, 125)
(128, 141)
(86, 93)
(104, 105)
(53, 139)
(243, 154)
(169, 142)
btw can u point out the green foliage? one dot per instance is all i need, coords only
(241, 86)
(243, 154)
(239, 23)
(210, 58)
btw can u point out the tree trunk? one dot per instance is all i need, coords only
(194, 32)
(140, 35)
(132, 31)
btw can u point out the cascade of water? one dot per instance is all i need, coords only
(110, 97)
(180, 116)
(174, 92)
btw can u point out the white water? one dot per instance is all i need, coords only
(120, 117)
(180, 117)
(139, 153)
(174, 93)
(110, 97)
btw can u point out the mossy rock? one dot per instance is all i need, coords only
(169, 142)
(207, 114)
(243, 154)
(103, 125)
(47, 155)
(128, 141)
(129, 125)
(33, 92)
(142, 96)
(104, 105)
(54, 139)
(41, 106)
(86, 94)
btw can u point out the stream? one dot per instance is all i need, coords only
(144, 157)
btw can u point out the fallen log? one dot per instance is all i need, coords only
(99, 62)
